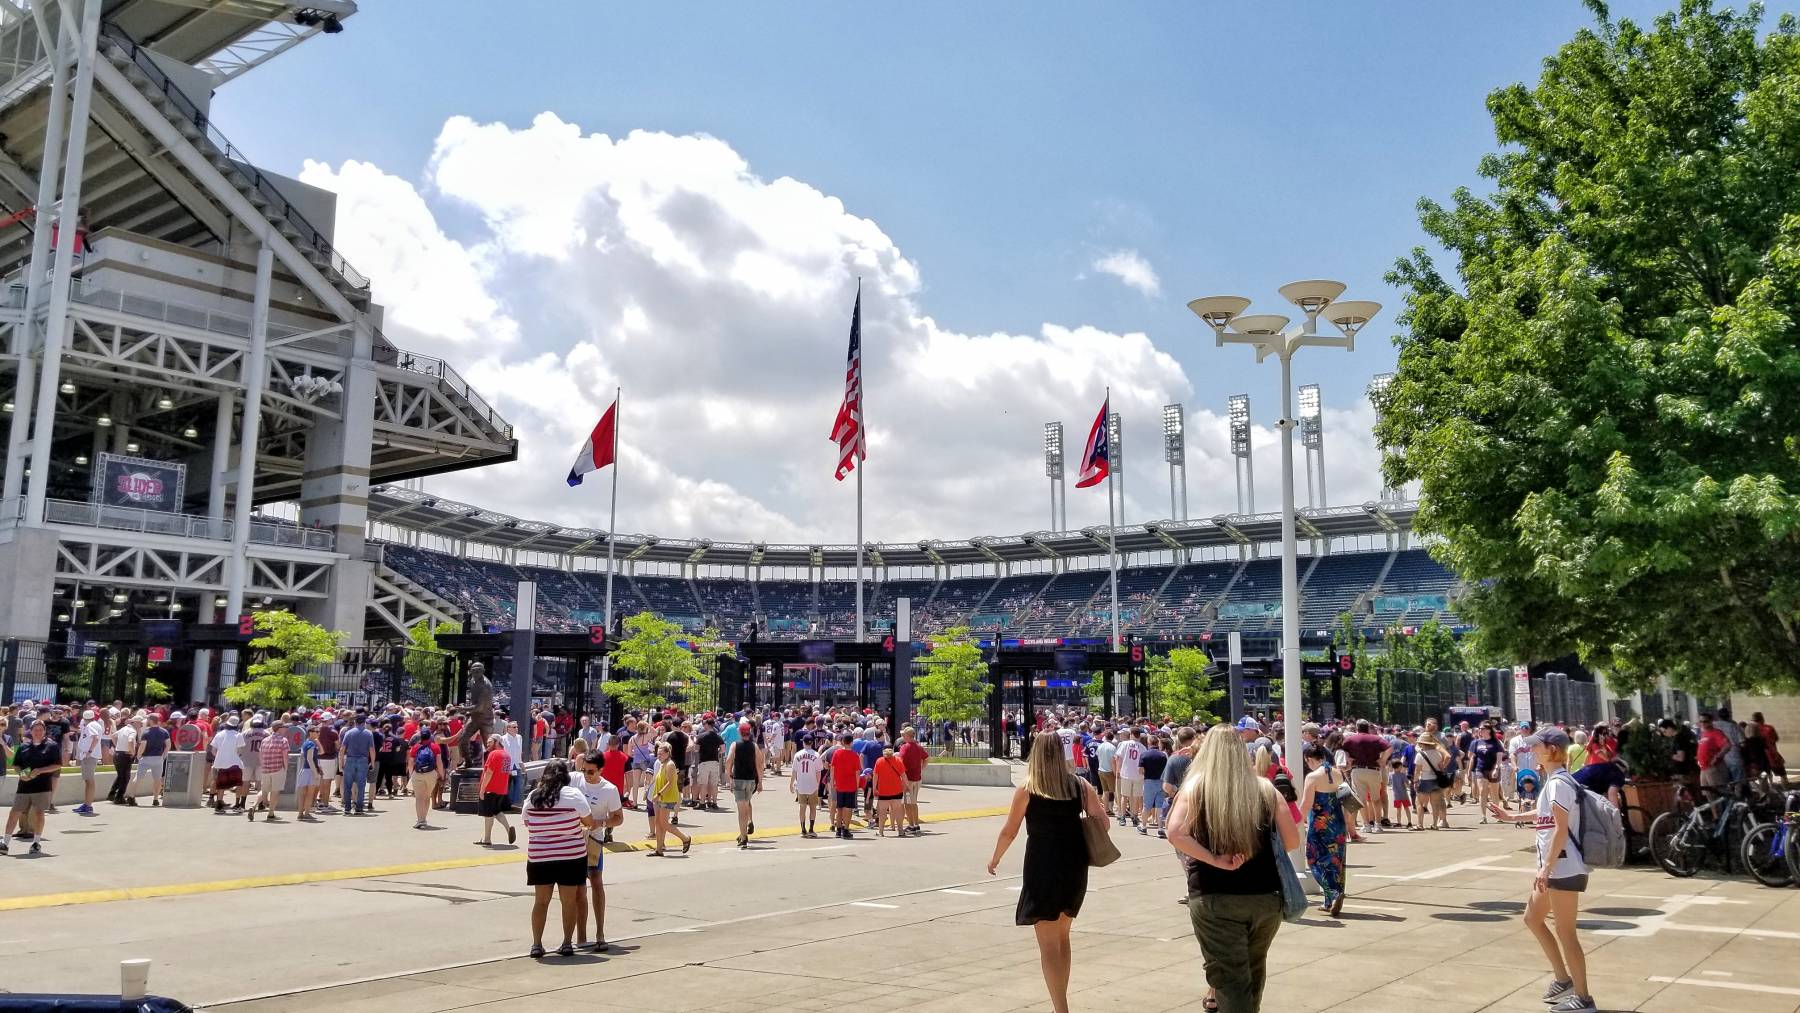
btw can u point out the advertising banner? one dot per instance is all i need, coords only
(121, 481)
(1521, 693)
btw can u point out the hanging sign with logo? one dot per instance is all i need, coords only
(138, 482)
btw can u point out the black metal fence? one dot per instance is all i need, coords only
(1408, 697)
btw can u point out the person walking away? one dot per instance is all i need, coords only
(1050, 805)
(915, 757)
(328, 739)
(126, 745)
(494, 790)
(358, 748)
(89, 748)
(664, 797)
(710, 751)
(746, 780)
(890, 788)
(803, 781)
(1104, 755)
(1368, 755)
(151, 756)
(557, 818)
(615, 766)
(1400, 791)
(607, 811)
(271, 777)
(1152, 764)
(1562, 877)
(1129, 772)
(1734, 754)
(1221, 819)
(227, 765)
(427, 767)
(1326, 843)
(845, 765)
(36, 763)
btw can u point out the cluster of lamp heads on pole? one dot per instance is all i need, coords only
(1318, 299)
(328, 22)
(1053, 449)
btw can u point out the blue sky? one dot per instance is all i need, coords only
(1003, 146)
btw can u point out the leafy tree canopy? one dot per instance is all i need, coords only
(950, 682)
(424, 663)
(1430, 648)
(1602, 409)
(294, 651)
(1181, 686)
(651, 668)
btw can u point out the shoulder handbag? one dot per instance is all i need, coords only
(1102, 852)
(1346, 797)
(1293, 895)
(1445, 781)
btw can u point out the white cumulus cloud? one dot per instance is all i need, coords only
(719, 301)
(1130, 267)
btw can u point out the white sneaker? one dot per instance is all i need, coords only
(1573, 1003)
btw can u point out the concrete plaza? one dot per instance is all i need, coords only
(370, 914)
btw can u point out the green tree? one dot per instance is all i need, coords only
(1347, 638)
(650, 666)
(1181, 686)
(710, 646)
(1431, 648)
(950, 683)
(156, 691)
(424, 663)
(1602, 408)
(294, 650)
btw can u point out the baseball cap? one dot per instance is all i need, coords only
(1248, 724)
(231, 722)
(1549, 735)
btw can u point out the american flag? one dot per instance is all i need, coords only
(847, 431)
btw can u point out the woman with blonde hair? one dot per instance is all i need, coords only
(1221, 819)
(1050, 805)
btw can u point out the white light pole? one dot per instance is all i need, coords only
(1270, 334)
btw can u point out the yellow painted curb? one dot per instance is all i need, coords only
(44, 900)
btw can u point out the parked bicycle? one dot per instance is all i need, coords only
(1771, 852)
(1683, 839)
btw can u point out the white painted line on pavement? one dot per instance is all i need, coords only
(1015, 889)
(1718, 974)
(1445, 870)
(1372, 907)
(1736, 986)
(870, 903)
(1726, 930)
(964, 893)
(828, 847)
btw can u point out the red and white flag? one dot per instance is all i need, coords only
(847, 431)
(1096, 454)
(601, 448)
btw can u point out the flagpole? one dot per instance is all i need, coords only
(862, 437)
(1112, 535)
(612, 521)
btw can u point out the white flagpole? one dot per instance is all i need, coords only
(862, 438)
(1112, 536)
(612, 521)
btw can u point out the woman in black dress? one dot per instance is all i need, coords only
(1050, 805)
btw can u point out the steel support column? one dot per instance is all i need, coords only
(256, 377)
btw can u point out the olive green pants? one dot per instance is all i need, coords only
(1234, 933)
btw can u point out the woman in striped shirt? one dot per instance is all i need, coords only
(557, 819)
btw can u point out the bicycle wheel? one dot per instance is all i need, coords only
(1738, 826)
(1672, 846)
(1760, 858)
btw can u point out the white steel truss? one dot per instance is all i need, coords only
(124, 560)
(401, 604)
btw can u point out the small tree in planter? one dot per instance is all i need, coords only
(1649, 758)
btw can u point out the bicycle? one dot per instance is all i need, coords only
(1771, 852)
(1681, 841)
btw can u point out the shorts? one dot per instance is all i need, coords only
(328, 768)
(809, 797)
(890, 798)
(274, 780)
(706, 774)
(226, 778)
(426, 783)
(596, 857)
(846, 800)
(151, 766)
(1365, 782)
(1108, 781)
(89, 765)
(1131, 787)
(912, 792)
(1573, 884)
(1491, 776)
(306, 778)
(681, 777)
(37, 801)
(562, 872)
(493, 803)
(742, 790)
(1153, 793)
(1402, 803)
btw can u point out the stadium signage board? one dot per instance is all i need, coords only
(139, 482)
(1521, 693)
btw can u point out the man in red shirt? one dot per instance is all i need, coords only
(1368, 754)
(915, 758)
(846, 775)
(496, 779)
(1711, 754)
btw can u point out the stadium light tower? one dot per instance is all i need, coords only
(1312, 441)
(1378, 385)
(1238, 409)
(1175, 453)
(1115, 441)
(1053, 469)
(1270, 334)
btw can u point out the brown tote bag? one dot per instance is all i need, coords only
(1101, 850)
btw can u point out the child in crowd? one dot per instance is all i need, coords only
(1528, 789)
(1400, 791)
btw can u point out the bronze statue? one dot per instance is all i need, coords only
(480, 722)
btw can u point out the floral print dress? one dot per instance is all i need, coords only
(1325, 841)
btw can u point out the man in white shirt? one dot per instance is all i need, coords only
(607, 812)
(227, 765)
(804, 783)
(1103, 760)
(1130, 778)
(125, 749)
(88, 751)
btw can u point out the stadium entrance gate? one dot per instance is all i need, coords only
(127, 655)
(835, 672)
(1025, 669)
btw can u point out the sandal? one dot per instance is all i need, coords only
(1209, 1003)
(537, 952)
(685, 845)
(566, 950)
